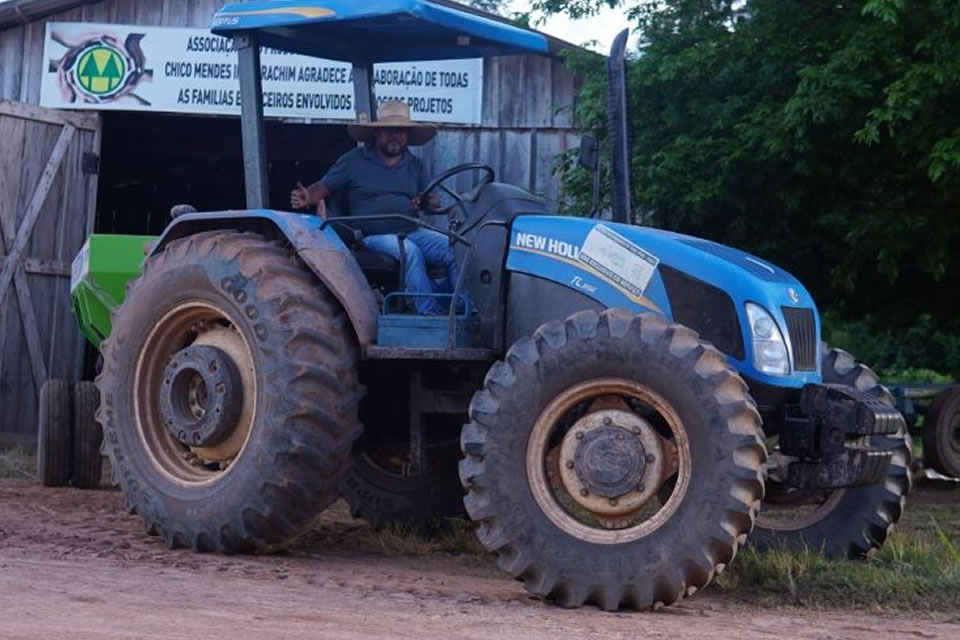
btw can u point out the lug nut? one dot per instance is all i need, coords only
(579, 435)
(641, 487)
(607, 421)
(636, 431)
(651, 457)
(569, 464)
(613, 502)
(584, 492)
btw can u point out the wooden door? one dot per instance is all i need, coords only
(48, 183)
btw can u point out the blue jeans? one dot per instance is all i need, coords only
(423, 248)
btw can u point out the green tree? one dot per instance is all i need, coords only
(822, 134)
(492, 6)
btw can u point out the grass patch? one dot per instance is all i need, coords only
(18, 463)
(917, 570)
(450, 535)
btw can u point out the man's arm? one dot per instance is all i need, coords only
(423, 179)
(302, 197)
(338, 177)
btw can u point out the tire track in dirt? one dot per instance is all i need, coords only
(75, 564)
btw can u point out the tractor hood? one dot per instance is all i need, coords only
(698, 283)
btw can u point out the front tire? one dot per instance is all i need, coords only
(229, 394)
(656, 428)
(87, 436)
(841, 523)
(53, 435)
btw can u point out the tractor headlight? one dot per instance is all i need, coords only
(769, 349)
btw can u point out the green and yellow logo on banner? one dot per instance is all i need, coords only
(101, 70)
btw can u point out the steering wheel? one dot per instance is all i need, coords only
(437, 183)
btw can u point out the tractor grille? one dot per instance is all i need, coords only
(802, 330)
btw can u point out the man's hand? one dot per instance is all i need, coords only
(421, 204)
(300, 197)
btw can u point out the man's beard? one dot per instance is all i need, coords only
(392, 149)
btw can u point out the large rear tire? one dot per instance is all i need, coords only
(613, 459)
(53, 435)
(229, 394)
(941, 433)
(841, 523)
(87, 436)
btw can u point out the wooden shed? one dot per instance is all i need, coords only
(65, 173)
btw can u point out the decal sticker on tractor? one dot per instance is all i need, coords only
(618, 260)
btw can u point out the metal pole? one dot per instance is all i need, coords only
(251, 121)
(617, 116)
(363, 92)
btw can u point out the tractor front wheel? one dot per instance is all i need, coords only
(613, 459)
(229, 394)
(380, 489)
(841, 523)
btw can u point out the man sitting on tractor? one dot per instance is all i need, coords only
(384, 177)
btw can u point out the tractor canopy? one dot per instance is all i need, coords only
(376, 30)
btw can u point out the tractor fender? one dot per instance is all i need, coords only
(321, 249)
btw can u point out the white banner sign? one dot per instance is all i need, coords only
(134, 68)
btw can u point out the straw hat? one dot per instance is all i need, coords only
(393, 114)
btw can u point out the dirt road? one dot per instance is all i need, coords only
(74, 565)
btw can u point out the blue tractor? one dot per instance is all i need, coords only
(625, 405)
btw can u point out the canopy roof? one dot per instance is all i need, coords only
(375, 30)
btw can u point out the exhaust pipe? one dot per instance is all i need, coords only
(617, 121)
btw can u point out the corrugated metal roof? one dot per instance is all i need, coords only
(17, 12)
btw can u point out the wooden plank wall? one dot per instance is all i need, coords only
(527, 100)
(59, 232)
(527, 120)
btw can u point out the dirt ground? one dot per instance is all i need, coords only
(74, 564)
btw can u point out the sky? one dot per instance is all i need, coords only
(602, 27)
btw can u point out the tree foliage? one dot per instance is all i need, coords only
(821, 134)
(493, 6)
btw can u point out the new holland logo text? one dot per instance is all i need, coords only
(548, 245)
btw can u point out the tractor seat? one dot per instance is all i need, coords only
(381, 270)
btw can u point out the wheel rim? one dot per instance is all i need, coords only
(598, 456)
(201, 327)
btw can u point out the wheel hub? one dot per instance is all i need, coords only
(202, 396)
(612, 462)
(609, 461)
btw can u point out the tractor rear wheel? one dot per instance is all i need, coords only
(87, 436)
(229, 394)
(841, 523)
(941, 433)
(613, 459)
(53, 436)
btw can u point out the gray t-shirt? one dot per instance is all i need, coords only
(373, 188)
